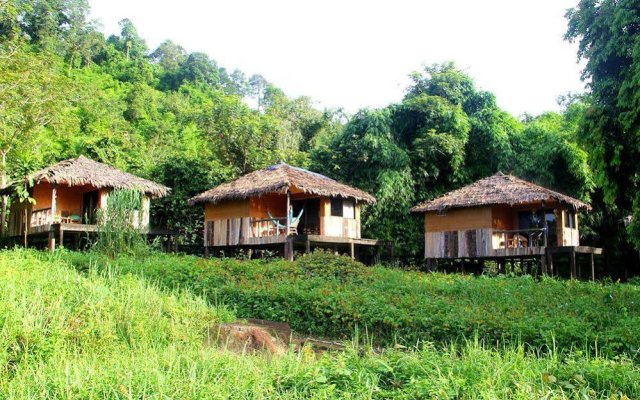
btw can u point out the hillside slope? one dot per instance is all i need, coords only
(65, 334)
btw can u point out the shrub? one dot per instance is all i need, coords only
(324, 264)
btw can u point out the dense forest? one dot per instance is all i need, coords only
(181, 119)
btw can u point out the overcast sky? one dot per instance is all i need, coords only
(355, 54)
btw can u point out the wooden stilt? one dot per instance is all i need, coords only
(352, 250)
(550, 258)
(593, 267)
(579, 265)
(543, 264)
(61, 235)
(206, 251)
(572, 262)
(52, 240)
(307, 247)
(288, 249)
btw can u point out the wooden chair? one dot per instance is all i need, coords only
(293, 225)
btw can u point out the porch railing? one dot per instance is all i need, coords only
(264, 227)
(41, 217)
(522, 238)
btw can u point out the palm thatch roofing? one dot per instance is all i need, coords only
(280, 178)
(498, 189)
(84, 171)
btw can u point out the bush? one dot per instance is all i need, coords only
(324, 264)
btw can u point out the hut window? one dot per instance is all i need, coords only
(570, 220)
(336, 208)
(348, 209)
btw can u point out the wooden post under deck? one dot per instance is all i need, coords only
(352, 248)
(572, 262)
(593, 267)
(52, 240)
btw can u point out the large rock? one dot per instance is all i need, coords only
(252, 336)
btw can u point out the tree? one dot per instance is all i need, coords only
(608, 33)
(31, 95)
(169, 55)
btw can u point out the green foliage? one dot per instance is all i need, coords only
(100, 335)
(409, 307)
(607, 33)
(324, 264)
(120, 224)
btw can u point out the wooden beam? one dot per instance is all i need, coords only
(54, 202)
(288, 213)
(61, 235)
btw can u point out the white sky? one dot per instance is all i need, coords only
(356, 54)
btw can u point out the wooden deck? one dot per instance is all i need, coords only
(55, 233)
(304, 242)
(547, 256)
(542, 251)
(315, 239)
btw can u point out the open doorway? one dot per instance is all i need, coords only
(90, 207)
(310, 220)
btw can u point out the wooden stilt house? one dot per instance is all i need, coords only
(283, 206)
(67, 196)
(503, 218)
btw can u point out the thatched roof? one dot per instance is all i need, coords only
(498, 189)
(84, 171)
(278, 179)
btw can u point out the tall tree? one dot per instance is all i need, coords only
(608, 33)
(32, 94)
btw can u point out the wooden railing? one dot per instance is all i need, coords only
(264, 227)
(522, 238)
(41, 217)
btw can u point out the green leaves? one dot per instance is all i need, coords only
(609, 41)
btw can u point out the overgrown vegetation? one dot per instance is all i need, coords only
(120, 224)
(333, 296)
(106, 335)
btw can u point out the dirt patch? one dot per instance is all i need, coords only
(275, 338)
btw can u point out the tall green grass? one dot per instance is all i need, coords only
(102, 334)
(119, 224)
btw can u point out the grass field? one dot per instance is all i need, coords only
(103, 333)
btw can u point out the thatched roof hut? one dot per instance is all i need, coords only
(498, 189)
(84, 171)
(278, 179)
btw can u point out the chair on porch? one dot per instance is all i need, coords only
(295, 221)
